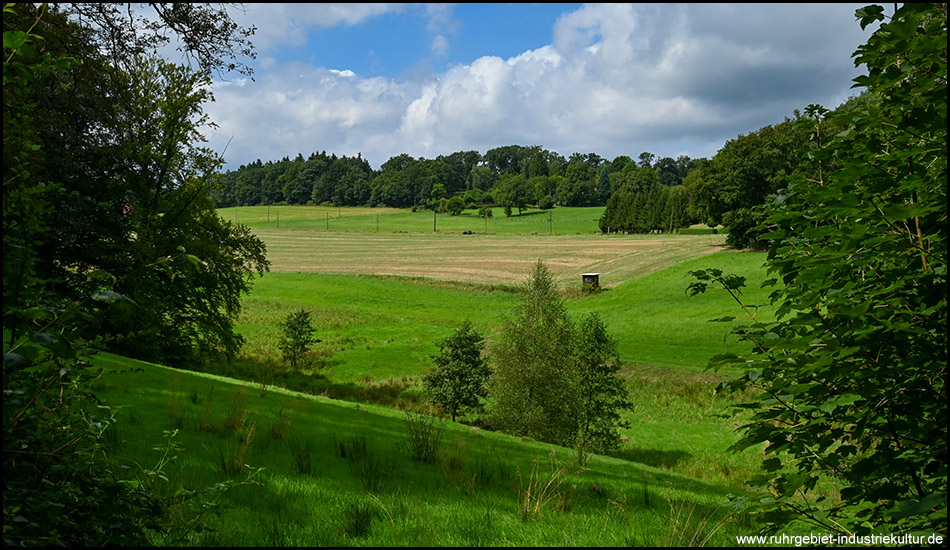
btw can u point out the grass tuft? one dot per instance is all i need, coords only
(358, 519)
(542, 489)
(424, 436)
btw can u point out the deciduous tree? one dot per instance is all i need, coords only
(555, 380)
(535, 385)
(603, 393)
(459, 380)
(853, 373)
(296, 336)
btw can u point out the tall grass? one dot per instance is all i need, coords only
(364, 488)
(543, 488)
(231, 457)
(424, 436)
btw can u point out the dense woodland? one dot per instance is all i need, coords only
(111, 241)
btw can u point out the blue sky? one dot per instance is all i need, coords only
(613, 79)
(400, 43)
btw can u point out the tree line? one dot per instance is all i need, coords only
(515, 175)
(642, 195)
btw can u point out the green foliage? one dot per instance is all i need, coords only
(455, 205)
(102, 178)
(296, 336)
(743, 224)
(746, 173)
(113, 184)
(438, 192)
(535, 386)
(59, 488)
(513, 191)
(603, 392)
(554, 380)
(404, 182)
(853, 373)
(645, 208)
(546, 202)
(458, 381)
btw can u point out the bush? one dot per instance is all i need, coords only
(455, 205)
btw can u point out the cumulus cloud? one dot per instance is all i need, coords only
(617, 79)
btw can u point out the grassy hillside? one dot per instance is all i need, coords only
(325, 472)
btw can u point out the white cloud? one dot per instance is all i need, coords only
(618, 79)
(279, 24)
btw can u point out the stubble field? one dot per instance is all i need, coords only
(481, 259)
(370, 241)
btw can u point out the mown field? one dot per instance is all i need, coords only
(405, 244)
(381, 301)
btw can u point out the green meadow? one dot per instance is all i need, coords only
(310, 471)
(327, 446)
(558, 221)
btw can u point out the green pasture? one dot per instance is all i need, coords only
(558, 221)
(384, 327)
(379, 333)
(657, 323)
(310, 471)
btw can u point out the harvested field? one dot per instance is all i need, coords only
(484, 259)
